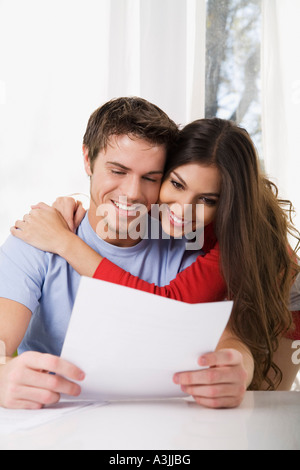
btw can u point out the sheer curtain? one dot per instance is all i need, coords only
(60, 60)
(281, 96)
(281, 100)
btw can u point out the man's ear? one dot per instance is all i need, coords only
(86, 160)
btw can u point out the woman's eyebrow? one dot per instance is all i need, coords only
(210, 194)
(180, 179)
(202, 194)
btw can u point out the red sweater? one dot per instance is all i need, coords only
(201, 282)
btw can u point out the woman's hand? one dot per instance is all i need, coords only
(222, 385)
(72, 211)
(44, 228)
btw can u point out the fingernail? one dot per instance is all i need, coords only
(176, 379)
(77, 392)
(203, 361)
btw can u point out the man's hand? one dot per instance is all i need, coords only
(33, 380)
(222, 385)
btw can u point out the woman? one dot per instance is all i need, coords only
(213, 164)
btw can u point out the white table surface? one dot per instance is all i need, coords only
(265, 420)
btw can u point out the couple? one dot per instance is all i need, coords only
(133, 150)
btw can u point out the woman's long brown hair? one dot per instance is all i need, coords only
(252, 227)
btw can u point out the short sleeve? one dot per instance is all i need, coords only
(22, 272)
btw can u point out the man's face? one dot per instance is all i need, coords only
(126, 177)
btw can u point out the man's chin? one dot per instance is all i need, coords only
(130, 232)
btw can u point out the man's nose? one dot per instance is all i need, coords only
(133, 189)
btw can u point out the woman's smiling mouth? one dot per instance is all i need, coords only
(178, 221)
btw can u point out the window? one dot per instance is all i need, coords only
(233, 79)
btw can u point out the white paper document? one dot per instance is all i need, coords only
(12, 421)
(130, 343)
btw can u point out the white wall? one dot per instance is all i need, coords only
(60, 60)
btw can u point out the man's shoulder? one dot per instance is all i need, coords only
(22, 272)
(15, 244)
(18, 252)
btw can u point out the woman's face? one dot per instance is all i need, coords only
(190, 197)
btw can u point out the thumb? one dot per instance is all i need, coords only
(78, 215)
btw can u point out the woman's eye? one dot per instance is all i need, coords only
(176, 184)
(208, 202)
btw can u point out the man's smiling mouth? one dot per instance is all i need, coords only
(129, 209)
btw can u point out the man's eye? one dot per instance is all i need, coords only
(117, 172)
(150, 179)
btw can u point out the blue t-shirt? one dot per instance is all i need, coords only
(47, 285)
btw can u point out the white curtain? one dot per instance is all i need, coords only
(281, 96)
(60, 60)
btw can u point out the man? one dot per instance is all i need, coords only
(125, 149)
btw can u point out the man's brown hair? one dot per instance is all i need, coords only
(128, 116)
